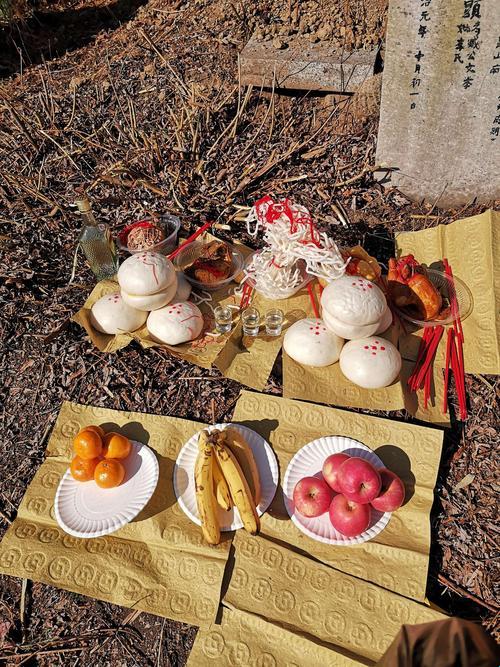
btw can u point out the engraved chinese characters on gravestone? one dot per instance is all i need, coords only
(440, 111)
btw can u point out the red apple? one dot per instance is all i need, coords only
(358, 480)
(392, 492)
(312, 496)
(349, 517)
(331, 467)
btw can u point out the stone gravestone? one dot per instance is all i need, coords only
(440, 109)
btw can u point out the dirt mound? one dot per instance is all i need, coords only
(347, 25)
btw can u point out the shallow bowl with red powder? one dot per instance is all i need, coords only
(168, 224)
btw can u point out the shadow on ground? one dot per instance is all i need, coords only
(48, 34)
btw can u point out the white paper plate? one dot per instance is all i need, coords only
(308, 462)
(184, 476)
(85, 510)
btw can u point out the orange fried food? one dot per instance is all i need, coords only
(409, 286)
(109, 473)
(88, 444)
(83, 469)
(116, 446)
(96, 429)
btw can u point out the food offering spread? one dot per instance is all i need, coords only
(335, 489)
(192, 295)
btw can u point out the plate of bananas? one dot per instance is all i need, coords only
(225, 478)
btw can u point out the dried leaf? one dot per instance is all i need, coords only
(465, 481)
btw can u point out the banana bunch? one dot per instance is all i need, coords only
(226, 475)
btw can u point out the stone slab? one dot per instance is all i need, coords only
(440, 110)
(305, 66)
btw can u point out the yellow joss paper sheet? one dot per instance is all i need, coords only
(158, 563)
(247, 639)
(358, 620)
(472, 246)
(397, 559)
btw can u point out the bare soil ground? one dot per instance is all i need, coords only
(139, 104)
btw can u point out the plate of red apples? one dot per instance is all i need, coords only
(338, 491)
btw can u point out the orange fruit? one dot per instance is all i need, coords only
(96, 429)
(88, 444)
(109, 473)
(115, 446)
(83, 469)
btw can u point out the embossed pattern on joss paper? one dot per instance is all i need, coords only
(37, 505)
(9, 558)
(284, 601)
(239, 654)
(59, 568)
(213, 645)
(107, 582)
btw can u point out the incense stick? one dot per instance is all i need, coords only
(449, 343)
(311, 296)
(458, 365)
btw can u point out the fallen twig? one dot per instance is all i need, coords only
(464, 593)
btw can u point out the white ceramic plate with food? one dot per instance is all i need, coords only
(184, 487)
(83, 509)
(308, 462)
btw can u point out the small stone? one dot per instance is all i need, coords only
(279, 43)
(313, 38)
(324, 32)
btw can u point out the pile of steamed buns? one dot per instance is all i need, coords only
(151, 292)
(349, 488)
(354, 310)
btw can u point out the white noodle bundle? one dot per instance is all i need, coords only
(273, 280)
(275, 270)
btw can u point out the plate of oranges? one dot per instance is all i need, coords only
(109, 481)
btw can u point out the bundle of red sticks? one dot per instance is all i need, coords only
(454, 350)
(422, 372)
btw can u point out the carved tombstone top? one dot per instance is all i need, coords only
(440, 110)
